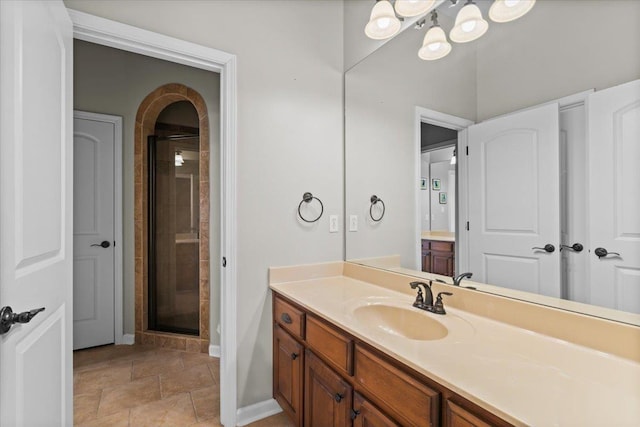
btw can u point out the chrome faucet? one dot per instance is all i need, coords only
(425, 301)
(458, 279)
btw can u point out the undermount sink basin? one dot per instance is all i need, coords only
(406, 322)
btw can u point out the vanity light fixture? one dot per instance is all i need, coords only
(410, 8)
(178, 159)
(470, 25)
(509, 10)
(453, 158)
(383, 22)
(435, 44)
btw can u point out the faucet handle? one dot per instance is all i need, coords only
(419, 302)
(438, 307)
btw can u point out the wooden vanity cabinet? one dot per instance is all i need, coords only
(438, 257)
(288, 373)
(366, 415)
(327, 397)
(324, 377)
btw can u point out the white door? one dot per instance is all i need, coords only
(614, 181)
(94, 150)
(514, 201)
(36, 217)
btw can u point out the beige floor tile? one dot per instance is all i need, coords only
(278, 420)
(193, 359)
(107, 376)
(206, 403)
(214, 368)
(214, 422)
(138, 392)
(174, 411)
(85, 406)
(119, 419)
(156, 366)
(188, 380)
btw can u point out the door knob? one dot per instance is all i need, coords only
(576, 247)
(8, 317)
(105, 244)
(547, 248)
(602, 252)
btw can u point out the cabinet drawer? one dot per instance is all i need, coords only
(442, 246)
(289, 317)
(394, 391)
(330, 343)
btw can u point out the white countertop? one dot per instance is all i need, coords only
(524, 377)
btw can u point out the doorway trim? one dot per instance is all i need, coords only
(116, 121)
(425, 115)
(114, 34)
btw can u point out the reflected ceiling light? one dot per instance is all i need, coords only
(413, 7)
(470, 25)
(383, 22)
(435, 44)
(179, 159)
(509, 10)
(453, 158)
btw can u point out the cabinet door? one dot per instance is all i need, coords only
(366, 415)
(442, 263)
(288, 365)
(457, 416)
(328, 398)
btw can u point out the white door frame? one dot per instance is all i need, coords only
(116, 121)
(105, 32)
(425, 115)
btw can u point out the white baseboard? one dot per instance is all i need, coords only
(214, 350)
(257, 411)
(128, 339)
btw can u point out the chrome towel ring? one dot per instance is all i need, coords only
(308, 198)
(374, 201)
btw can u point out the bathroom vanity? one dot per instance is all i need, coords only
(348, 347)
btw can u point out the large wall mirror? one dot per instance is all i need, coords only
(515, 157)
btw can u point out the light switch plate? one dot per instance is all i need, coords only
(333, 223)
(353, 223)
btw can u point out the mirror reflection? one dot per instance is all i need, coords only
(542, 202)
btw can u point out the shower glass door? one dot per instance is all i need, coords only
(173, 234)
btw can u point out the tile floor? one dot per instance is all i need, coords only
(149, 386)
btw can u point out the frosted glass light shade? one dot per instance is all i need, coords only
(179, 160)
(413, 7)
(435, 45)
(509, 10)
(469, 26)
(383, 22)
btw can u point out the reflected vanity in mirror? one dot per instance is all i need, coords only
(544, 116)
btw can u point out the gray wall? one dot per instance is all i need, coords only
(290, 65)
(112, 81)
(560, 48)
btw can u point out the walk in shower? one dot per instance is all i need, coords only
(173, 223)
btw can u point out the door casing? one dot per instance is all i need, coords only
(114, 34)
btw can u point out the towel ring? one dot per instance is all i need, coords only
(308, 198)
(374, 200)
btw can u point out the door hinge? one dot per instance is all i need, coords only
(467, 150)
(224, 261)
(467, 225)
(114, 243)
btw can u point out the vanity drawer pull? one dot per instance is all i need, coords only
(286, 318)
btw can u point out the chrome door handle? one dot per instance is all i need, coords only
(576, 247)
(8, 317)
(547, 248)
(105, 244)
(602, 252)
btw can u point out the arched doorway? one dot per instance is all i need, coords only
(196, 339)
